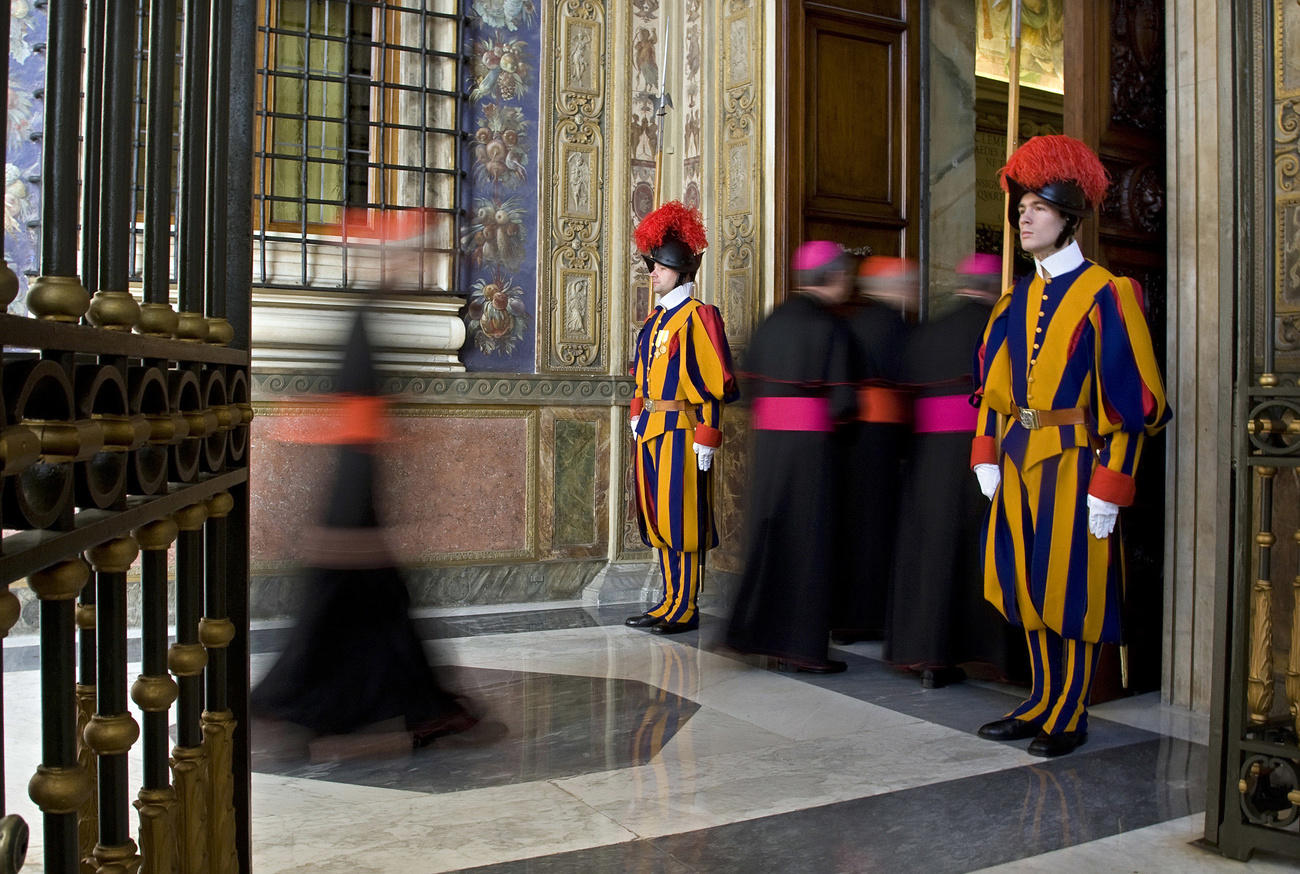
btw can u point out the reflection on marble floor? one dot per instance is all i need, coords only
(623, 751)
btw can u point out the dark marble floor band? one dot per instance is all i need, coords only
(551, 726)
(956, 826)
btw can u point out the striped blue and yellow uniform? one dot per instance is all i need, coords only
(681, 355)
(1077, 341)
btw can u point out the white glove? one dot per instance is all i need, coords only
(704, 456)
(989, 477)
(633, 422)
(1101, 517)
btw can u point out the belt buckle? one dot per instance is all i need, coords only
(1029, 419)
(649, 405)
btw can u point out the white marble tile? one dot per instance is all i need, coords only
(681, 785)
(1147, 712)
(1163, 847)
(431, 832)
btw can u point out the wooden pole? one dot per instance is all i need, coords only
(1013, 127)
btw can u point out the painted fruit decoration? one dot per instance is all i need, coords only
(497, 316)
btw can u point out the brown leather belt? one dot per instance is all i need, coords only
(1034, 419)
(651, 405)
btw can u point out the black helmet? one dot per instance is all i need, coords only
(675, 254)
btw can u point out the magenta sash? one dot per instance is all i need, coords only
(792, 414)
(944, 414)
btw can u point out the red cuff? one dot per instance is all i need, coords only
(706, 436)
(636, 407)
(983, 450)
(1118, 488)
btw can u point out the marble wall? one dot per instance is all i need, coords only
(952, 141)
(1198, 361)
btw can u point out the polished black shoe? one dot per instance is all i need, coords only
(674, 627)
(1051, 745)
(829, 666)
(937, 678)
(645, 620)
(1009, 728)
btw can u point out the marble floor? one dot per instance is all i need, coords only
(608, 749)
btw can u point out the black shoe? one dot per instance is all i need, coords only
(829, 666)
(645, 620)
(937, 678)
(1051, 745)
(675, 627)
(1009, 728)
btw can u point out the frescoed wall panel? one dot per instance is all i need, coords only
(22, 240)
(499, 234)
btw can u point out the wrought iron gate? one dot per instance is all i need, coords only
(124, 439)
(1254, 786)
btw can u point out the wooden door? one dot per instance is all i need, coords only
(847, 136)
(1115, 102)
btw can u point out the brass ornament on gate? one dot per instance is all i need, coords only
(186, 659)
(113, 556)
(157, 320)
(60, 582)
(191, 327)
(154, 694)
(59, 790)
(57, 298)
(111, 735)
(216, 633)
(156, 535)
(114, 311)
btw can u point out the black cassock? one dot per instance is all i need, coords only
(783, 605)
(354, 658)
(938, 615)
(868, 517)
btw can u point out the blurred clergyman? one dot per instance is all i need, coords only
(798, 364)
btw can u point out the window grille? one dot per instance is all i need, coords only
(358, 115)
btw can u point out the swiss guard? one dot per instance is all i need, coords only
(683, 377)
(1070, 387)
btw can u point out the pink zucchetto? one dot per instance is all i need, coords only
(814, 254)
(980, 264)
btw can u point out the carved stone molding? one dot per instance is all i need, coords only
(461, 390)
(572, 315)
(739, 156)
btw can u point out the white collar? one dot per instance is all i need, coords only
(677, 296)
(1060, 263)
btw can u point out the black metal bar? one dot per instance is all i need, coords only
(189, 588)
(91, 145)
(158, 152)
(190, 219)
(115, 178)
(218, 112)
(87, 674)
(239, 217)
(28, 551)
(58, 725)
(153, 662)
(216, 692)
(923, 164)
(110, 630)
(59, 153)
(24, 333)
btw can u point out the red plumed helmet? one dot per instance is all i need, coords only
(673, 235)
(1059, 169)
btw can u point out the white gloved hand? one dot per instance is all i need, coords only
(989, 477)
(1101, 517)
(704, 456)
(633, 422)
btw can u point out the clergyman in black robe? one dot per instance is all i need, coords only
(938, 618)
(354, 658)
(799, 376)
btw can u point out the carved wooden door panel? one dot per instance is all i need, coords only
(1115, 102)
(847, 135)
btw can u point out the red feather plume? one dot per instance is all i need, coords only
(672, 219)
(1057, 158)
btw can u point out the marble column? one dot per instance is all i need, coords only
(1199, 157)
(952, 143)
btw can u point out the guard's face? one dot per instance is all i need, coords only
(664, 278)
(1040, 225)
